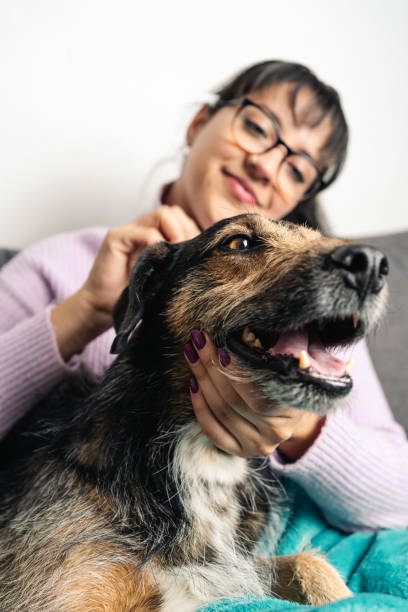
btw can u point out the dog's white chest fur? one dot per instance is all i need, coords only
(207, 481)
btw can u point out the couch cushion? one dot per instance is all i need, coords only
(6, 254)
(389, 345)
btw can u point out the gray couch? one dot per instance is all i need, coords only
(389, 345)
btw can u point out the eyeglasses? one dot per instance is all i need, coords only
(255, 131)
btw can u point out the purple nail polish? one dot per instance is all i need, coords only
(190, 353)
(198, 339)
(193, 385)
(224, 357)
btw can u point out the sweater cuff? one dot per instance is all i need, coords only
(64, 367)
(30, 366)
(321, 458)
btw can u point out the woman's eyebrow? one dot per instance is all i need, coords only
(271, 114)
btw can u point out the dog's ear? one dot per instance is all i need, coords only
(146, 278)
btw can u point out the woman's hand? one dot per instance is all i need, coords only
(235, 416)
(123, 245)
(88, 313)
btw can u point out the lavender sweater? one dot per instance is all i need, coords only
(356, 470)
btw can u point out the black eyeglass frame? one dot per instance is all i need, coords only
(318, 184)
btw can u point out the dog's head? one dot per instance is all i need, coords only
(279, 297)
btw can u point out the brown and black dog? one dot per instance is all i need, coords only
(111, 497)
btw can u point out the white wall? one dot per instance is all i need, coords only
(94, 92)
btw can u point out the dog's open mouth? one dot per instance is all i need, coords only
(301, 354)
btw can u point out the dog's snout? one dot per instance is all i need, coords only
(362, 267)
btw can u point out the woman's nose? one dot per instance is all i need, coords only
(265, 166)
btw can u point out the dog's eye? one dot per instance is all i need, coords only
(239, 243)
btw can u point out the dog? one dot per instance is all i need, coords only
(112, 498)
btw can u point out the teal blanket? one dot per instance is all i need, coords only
(375, 565)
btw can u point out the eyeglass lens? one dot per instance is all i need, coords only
(256, 133)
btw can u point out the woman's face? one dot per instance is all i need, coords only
(220, 180)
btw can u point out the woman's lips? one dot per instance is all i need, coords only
(240, 189)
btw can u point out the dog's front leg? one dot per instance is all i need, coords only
(306, 578)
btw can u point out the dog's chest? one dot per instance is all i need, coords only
(208, 483)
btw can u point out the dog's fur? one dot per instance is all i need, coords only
(111, 497)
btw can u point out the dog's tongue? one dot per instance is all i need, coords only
(292, 342)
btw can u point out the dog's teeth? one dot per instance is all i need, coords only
(349, 366)
(247, 336)
(258, 343)
(304, 360)
(355, 320)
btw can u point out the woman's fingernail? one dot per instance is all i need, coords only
(224, 357)
(198, 339)
(190, 353)
(193, 385)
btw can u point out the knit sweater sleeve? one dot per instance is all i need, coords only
(356, 470)
(30, 285)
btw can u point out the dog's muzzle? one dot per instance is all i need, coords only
(299, 353)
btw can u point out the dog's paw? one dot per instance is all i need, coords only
(308, 578)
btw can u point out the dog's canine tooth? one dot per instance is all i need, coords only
(304, 360)
(257, 343)
(349, 365)
(247, 336)
(355, 320)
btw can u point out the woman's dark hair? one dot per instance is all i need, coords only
(326, 103)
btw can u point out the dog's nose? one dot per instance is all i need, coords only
(363, 267)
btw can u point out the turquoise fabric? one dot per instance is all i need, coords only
(375, 565)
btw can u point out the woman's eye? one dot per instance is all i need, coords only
(296, 174)
(254, 128)
(239, 243)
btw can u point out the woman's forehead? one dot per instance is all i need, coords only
(302, 105)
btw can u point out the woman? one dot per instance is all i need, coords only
(275, 137)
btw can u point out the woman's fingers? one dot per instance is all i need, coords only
(169, 223)
(229, 431)
(110, 271)
(244, 397)
(122, 246)
(189, 227)
(209, 423)
(172, 222)
(223, 406)
(206, 363)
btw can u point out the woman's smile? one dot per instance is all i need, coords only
(240, 188)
